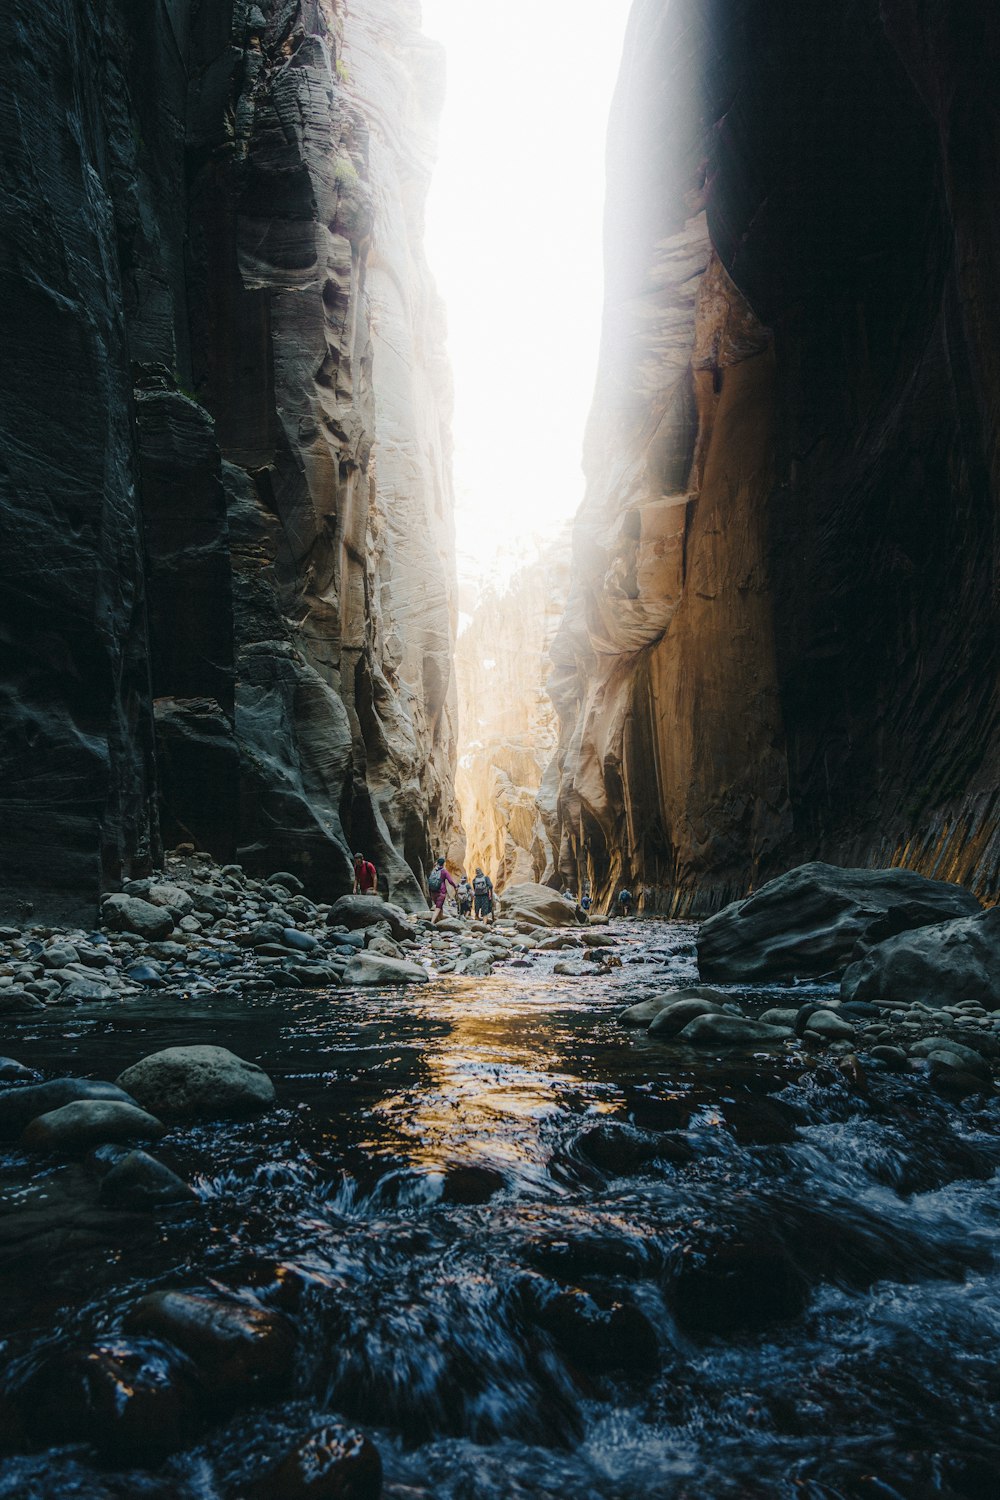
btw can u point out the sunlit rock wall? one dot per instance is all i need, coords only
(782, 634)
(509, 728)
(228, 594)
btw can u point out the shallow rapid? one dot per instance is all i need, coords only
(531, 1253)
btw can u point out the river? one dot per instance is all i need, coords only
(531, 1253)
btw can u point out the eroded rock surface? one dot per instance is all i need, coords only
(781, 641)
(227, 580)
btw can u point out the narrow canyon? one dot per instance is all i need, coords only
(668, 1168)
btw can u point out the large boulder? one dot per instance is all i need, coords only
(375, 969)
(937, 965)
(122, 913)
(810, 921)
(198, 1083)
(364, 911)
(538, 904)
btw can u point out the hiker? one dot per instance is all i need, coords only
(438, 882)
(585, 899)
(365, 877)
(624, 903)
(482, 892)
(463, 895)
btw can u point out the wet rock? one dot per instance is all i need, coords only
(286, 881)
(355, 912)
(621, 1149)
(570, 970)
(198, 1082)
(383, 945)
(968, 1057)
(174, 897)
(646, 1011)
(830, 1026)
(736, 1284)
(14, 1001)
(807, 923)
(673, 1017)
(131, 1399)
(58, 955)
(82, 991)
(122, 913)
(939, 965)
(894, 1058)
(333, 1463)
(139, 1182)
(315, 976)
(780, 1017)
(478, 965)
(729, 1031)
(369, 969)
(146, 974)
(11, 1069)
(470, 1183)
(303, 941)
(89, 1122)
(242, 1349)
(598, 1334)
(19, 1105)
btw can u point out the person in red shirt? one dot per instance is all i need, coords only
(365, 878)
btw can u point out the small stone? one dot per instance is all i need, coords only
(334, 1463)
(827, 1024)
(79, 991)
(368, 969)
(58, 955)
(303, 941)
(19, 1105)
(243, 1349)
(189, 924)
(174, 897)
(286, 880)
(894, 1058)
(13, 1001)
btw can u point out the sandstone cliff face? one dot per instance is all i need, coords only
(782, 634)
(509, 728)
(228, 601)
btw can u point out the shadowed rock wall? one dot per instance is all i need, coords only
(227, 601)
(782, 635)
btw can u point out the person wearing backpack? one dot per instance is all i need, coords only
(463, 896)
(365, 877)
(482, 894)
(438, 882)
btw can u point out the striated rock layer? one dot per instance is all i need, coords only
(227, 602)
(509, 728)
(782, 637)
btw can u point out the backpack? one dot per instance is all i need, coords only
(480, 885)
(434, 880)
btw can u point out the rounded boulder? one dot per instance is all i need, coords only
(198, 1083)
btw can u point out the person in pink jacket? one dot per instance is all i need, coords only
(437, 883)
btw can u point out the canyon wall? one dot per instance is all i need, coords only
(783, 629)
(227, 610)
(509, 728)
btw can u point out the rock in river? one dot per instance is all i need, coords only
(538, 904)
(372, 969)
(807, 922)
(729, 1031)
(87, 1123)
(242, 1349)
(19, 1105)
(333, 1463)
(198, 1083)
(131, 1398)
(948, 962)
(676, 1014)
(138, 1181)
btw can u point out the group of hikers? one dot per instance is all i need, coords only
(475, 897)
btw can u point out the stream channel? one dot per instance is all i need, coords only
(530, 1253)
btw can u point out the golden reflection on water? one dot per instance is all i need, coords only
(493, 1076)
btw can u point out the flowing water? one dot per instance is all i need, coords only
(534, 1254)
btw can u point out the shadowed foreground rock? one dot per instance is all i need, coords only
(809, 922)
(937, 965)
